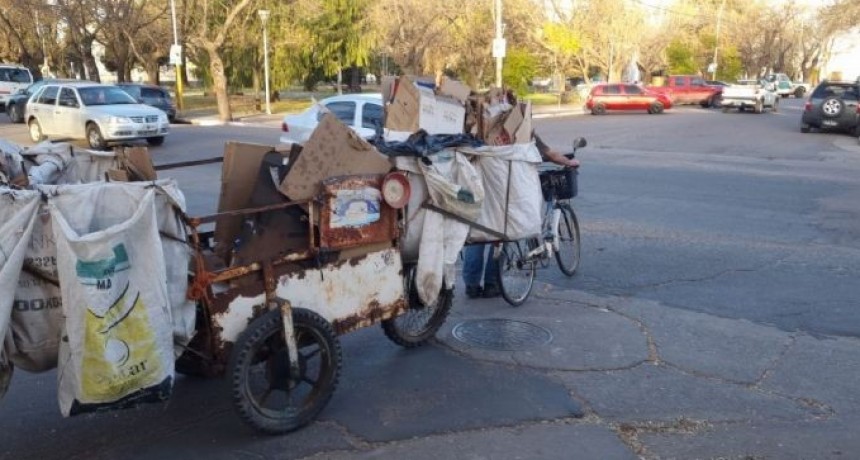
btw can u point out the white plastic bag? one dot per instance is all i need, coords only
(119, 350)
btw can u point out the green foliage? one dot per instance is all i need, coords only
(518, 70)
(730, 66)
(340, 37)
(681, 58)
(561, 39)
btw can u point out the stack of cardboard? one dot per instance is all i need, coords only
(498, 122)
(413, 104)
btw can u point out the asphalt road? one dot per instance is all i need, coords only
(739, 216)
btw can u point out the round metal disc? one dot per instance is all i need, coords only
(501, 334)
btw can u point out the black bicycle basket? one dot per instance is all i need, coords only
(558, 183)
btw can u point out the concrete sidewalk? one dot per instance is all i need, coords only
(637, 380)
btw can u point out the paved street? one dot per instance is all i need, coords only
(715, 315)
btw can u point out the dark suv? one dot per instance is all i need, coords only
(833, 105)
(155, 96)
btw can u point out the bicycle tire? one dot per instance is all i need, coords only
(516, 275)
(568, 254)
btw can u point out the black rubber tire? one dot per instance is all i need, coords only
(775, 108)
(16, 115)
(569, 248)
(598, 109)
(514, 271)
(656, 108)
(94, 137)
(262, 344)
(35, 130)
(759, 106)
(799, 92)
(155, 141)
(419, 323)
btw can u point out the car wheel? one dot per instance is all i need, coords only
(799, 92)
(155, 141)
(15, 115)
(832, 107)
(804, 128)
(775, 107)
(725, 109)
(598, 109)
(656, 108)
(94, 137)
(759, 106)
(35, 131)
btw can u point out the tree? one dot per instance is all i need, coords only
(209, 32)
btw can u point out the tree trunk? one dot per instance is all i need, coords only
(91, 69)
(219, 84)
(152, 75)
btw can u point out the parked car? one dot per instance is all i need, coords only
(362, 112)
(101, 114)
(13, 78)
(689, 89)
(17, 102)
(833, 105)
(756, 95)
(785, 87)
(625, 96)
(153, 95)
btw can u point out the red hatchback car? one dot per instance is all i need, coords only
(625, 96)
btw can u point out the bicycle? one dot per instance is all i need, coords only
(559, 237)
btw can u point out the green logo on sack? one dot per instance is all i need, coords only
(98, 273)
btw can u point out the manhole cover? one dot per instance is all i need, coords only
(501, 334)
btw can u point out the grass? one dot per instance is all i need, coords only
(296, 100)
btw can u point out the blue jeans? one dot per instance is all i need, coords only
(473, 265)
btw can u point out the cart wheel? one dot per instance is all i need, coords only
(516, 275)
(266, 396)
(419, 322)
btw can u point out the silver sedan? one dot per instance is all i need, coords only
(100, 114)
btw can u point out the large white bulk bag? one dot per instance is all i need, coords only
(119, 350)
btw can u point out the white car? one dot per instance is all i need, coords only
(101, 114)
(13, 78)
(362, 112)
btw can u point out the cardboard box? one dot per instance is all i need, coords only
(332, 150)
(455, 89)
(417, 107)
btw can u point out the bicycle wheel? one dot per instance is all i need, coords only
(516, 275)
(567, 254)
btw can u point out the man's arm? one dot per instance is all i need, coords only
(548, 154)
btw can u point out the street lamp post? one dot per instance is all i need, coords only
(264, 17)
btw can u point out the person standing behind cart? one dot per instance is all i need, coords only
(478, 260)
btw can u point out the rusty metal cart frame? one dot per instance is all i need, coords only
(266, 322)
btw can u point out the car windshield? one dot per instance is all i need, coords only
(154, 93)
(104, 95)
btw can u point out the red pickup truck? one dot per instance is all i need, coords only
(689, 89)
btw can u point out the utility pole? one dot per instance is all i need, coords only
(176, 56)
(498, 43)
(717, 40)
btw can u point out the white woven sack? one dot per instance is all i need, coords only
(119, 350)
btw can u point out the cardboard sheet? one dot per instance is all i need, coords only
(238, 174)
(402, 113)
(332, 150)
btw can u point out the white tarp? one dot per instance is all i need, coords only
(115, 298)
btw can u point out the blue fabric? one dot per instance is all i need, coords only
(474, 256)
